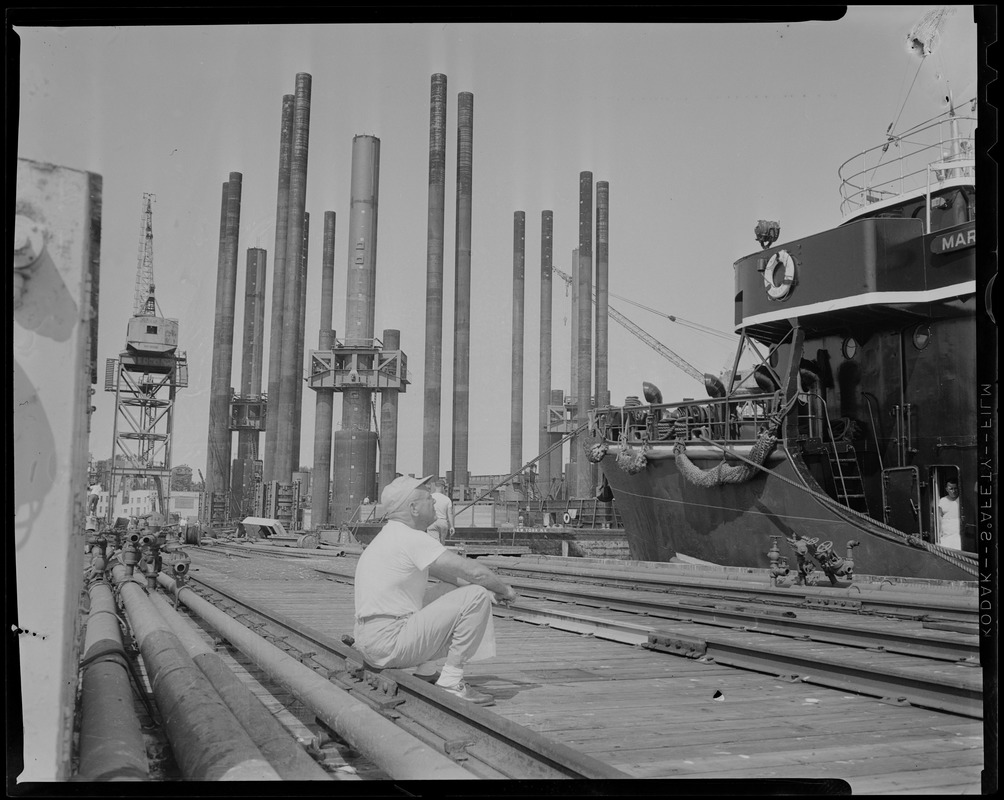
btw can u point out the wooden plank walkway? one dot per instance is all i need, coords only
(655, 715)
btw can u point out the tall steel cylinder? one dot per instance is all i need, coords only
(544, 439)
(462, 292)
(220, 388)
(388, 418)
(301, 318)
(355, 444)
(583, 472)
(291, 372)
(278, 286)
(324, 402)
(433, 378)
(573, 325)
(252, 344)
(602, 291)
(518, 301)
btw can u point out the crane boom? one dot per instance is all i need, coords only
(142, 304)
(647, 338)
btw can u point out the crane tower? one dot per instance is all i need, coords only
(145, 378)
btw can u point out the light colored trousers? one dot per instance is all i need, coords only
(458, 625)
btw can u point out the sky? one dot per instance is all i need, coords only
(699, 129)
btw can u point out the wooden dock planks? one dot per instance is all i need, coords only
(656, 715)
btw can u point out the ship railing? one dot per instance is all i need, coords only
(737, 418)
(901, 164)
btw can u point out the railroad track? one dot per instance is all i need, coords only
(483, 743)
(880, 596)
(929, 669)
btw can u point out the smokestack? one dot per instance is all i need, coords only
(602, 291)
(324, 408)
(388, 418)
(518, 293)
(462, 289)
(291, 371)
(583, 467)
(432, 413)
(355, 444)
(301, 319)
(254, 331)
(573, 386)
(219, 444)
(545, 439)
(278, 288)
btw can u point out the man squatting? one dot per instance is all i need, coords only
(393, 628)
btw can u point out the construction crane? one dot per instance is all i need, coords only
(145, 379)
(647, 338)
(143, 302)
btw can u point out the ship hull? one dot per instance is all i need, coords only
(667, 515)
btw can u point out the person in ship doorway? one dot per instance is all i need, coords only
(444, 526)
(949, 517)
(393, 627)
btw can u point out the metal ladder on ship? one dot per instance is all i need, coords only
(847, 475)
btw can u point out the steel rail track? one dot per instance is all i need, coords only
(956, 694)
(754, 617)
(891, 683)
(486, 744)
(757, 619)
(918, 606)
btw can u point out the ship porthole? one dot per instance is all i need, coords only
(850, 347)
(922, 336)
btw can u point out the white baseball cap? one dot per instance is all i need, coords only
(396, 493)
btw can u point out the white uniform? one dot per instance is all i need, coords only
(949, 535)
(440, 529)
(392, 627)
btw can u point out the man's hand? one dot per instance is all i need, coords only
(509, 596)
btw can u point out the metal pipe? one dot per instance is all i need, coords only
(286, 756)
(278, 285)
(324, 403)
(544, 381)
(301, 319)
(355, 444)
(433, 398)
(602, 291)
(206, 739)
(462, 292)
(388, 418)
(518, 299)
(254, 323)
(111, 741)
(583, 467)
(291, 372)
(393, 750)
(220, 391)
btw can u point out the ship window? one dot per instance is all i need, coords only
(849, 348)
(922, 336)
(151, 328)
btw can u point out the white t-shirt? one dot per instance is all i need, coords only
(393, 571)
(949, 523)
(442, 504)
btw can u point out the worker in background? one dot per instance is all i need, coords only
(444, 526)
(949, 517)
(393, 627)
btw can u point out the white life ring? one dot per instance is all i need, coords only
(778, 291)
(566, 518)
